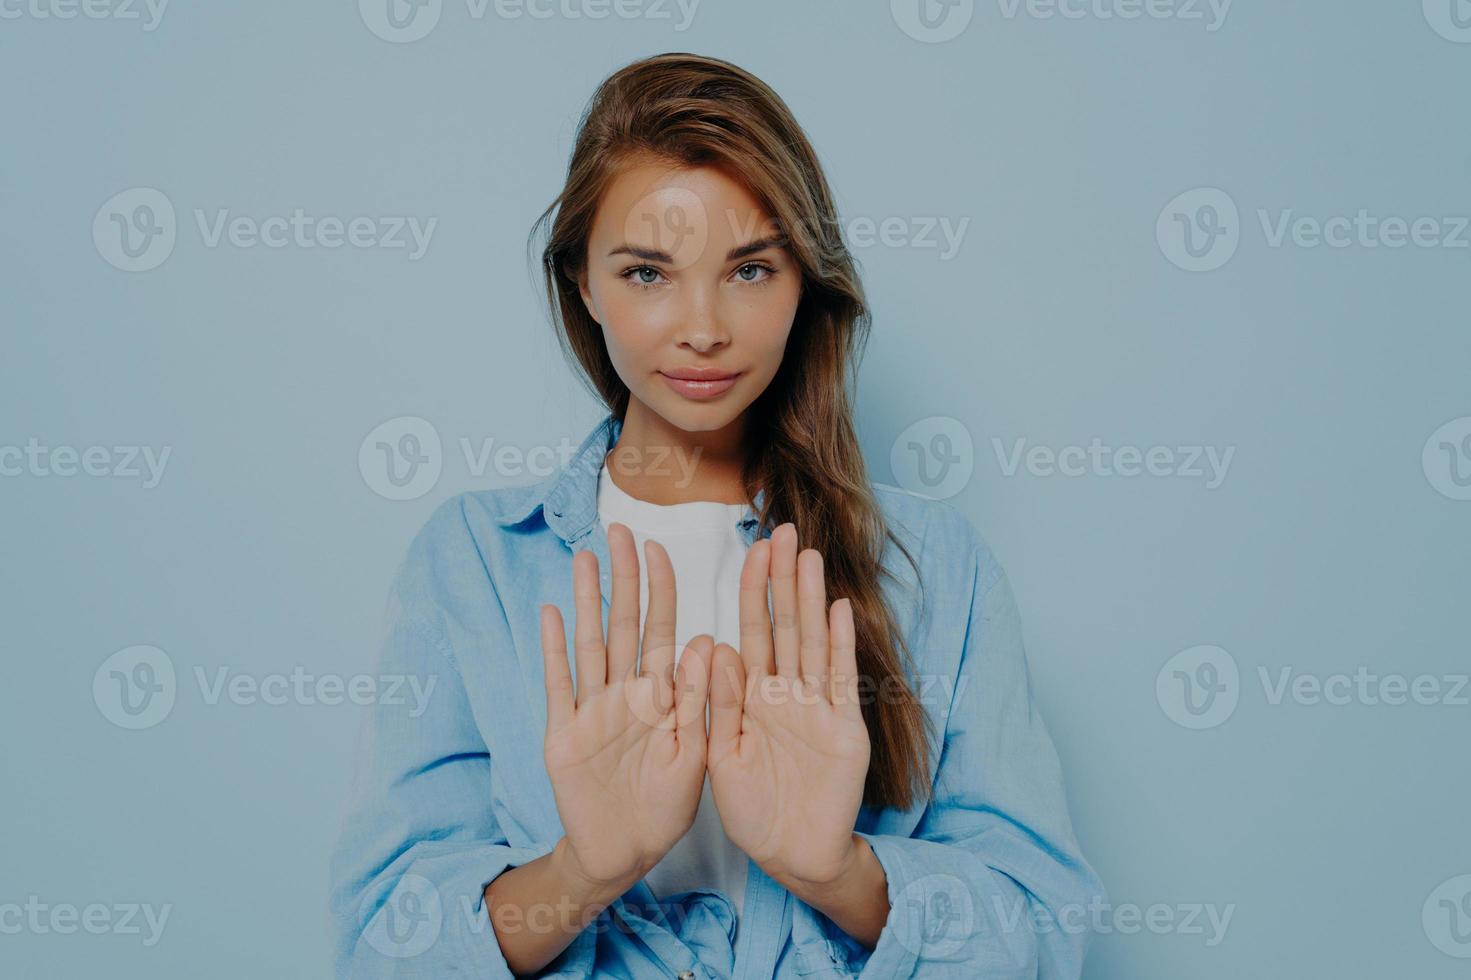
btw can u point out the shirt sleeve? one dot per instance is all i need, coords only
(420, 840)
(991, 883)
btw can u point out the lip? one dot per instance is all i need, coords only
(699, 383)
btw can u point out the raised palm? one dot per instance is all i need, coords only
(788, 750)
(627, 757)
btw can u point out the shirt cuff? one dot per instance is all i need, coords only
(433, 922)
(944, 915)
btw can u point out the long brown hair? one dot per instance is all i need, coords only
(693, 110)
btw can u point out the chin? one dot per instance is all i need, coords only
(692, 417)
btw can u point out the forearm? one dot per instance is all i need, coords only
(857, 901)
(538, 908)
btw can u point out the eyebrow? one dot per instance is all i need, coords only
(739, 252)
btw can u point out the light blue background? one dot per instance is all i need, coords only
(1324, 829)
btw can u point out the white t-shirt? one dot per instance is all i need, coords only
(707, 550)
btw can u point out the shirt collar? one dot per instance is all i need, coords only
(569, 498)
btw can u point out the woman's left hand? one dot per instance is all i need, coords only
(788, 749)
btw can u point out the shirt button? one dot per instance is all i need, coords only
(686, 975)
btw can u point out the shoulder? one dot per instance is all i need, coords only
(478, 513)
(942, 537)
(454, 549)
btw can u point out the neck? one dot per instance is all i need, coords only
(661, 463)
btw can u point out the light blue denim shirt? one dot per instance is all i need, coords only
(985, 881)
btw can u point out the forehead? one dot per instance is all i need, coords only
(648, 196)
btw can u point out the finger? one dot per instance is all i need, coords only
(692, 689)
(812, 618)
(784, 599)
(755, 615)
(658, 645)
(560, 705)
(843, 678)
(727, 699)
(623, 609)
(587, 633)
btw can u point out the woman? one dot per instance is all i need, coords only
(737, 779)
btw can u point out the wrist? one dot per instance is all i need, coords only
(856, 898)
(589, 888)
(854, 866)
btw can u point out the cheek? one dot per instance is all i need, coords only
(629, 311)
(765, 322)
(631, 330)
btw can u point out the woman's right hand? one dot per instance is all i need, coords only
(627, 757)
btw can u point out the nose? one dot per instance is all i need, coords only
(701, 328)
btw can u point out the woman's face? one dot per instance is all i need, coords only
(694, 292)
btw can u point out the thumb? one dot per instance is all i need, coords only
(691, 688)
(727, 697)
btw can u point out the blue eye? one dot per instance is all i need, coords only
(636, 278)
(647, 277)
(756, 267)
